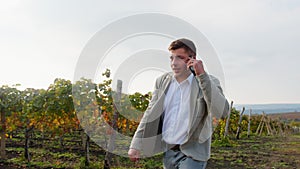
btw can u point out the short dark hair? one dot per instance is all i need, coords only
(187, 44)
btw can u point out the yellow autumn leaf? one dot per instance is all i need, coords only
(55, 121)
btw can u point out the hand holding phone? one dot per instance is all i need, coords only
(191, 67)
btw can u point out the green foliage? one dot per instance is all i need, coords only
(85, 102)
(224, 142)
(32, 114)
(92, 165)
(220, 129)
(295, 123)
(59, 98)
(10, 100)
(140, 101)
(152, 163)
(53, 109)
(255, 121)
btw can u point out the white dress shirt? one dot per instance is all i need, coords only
(177, 110)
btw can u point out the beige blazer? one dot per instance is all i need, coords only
(207, 101)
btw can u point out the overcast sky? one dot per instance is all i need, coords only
(257, 40)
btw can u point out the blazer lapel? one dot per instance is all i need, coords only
(166, 84)
(196, 95)
(157, 114)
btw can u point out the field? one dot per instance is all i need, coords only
(259, 152)
(254, 152)
(46, 125)
(286, 116)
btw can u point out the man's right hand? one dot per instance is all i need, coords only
(134, 154)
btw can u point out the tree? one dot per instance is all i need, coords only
(87, 109)
(10, 101)
(32, 114)
(59, 109)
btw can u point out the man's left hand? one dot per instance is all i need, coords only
(197, 65)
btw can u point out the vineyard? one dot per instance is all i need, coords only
(52, 128)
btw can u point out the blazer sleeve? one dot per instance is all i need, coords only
(216, 102)
(136, 142)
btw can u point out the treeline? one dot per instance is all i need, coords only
(64, 107)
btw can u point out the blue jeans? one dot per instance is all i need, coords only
(177, 160)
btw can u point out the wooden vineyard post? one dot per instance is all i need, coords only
(2, 134)
(261, 128)
(111, 143)
(263, 120)
(87, 150)
(127, 126)
(83, 138)
(280, 131)
(227, 120)
(239, 124)
(268, 125)
(26, 146)
(274, 124)
(249, 123)
(259, 125)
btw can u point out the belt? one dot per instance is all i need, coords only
(176, 147)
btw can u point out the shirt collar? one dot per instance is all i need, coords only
(189, 79)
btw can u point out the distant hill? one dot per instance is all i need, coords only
(269, 108)
(286, 116)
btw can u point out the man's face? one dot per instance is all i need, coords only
(178, 60)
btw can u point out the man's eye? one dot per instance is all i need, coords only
(180, 57)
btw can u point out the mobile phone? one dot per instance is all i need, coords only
(191, 67)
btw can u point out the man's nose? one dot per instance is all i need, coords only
(174, 61)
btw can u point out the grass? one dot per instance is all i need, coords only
(253, 152)
(258, 152)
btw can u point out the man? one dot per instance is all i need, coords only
(178, 120)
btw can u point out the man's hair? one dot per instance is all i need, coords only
(186, 44)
